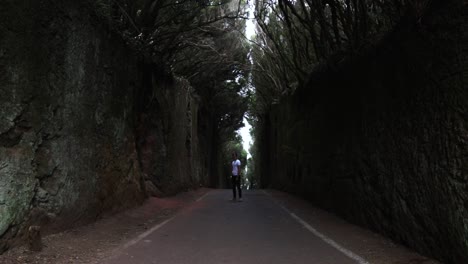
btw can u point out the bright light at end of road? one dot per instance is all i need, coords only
(244, 132)
(246, 137)
(249, 25)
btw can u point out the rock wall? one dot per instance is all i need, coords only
(167, 134)
(382, 139)
(67, 148)
(74, 131)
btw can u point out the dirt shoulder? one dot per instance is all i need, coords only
(95, 242)
(374, 248)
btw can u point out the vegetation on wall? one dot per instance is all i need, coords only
(196, 40)
(200, 41)
(296, 37)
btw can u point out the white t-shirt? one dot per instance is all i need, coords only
(235, 165)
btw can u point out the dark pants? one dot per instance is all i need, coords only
(235, 180)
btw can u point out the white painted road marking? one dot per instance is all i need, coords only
(148, 232)
(145, 234)
(201, 197)
(326, 239)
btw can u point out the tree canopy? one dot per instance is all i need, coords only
(200, 41)
(294, 36)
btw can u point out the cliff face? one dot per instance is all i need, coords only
(382, 139)
(167, 134)
(71, 121)
(67, 148)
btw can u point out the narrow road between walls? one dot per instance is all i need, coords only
(267, 227)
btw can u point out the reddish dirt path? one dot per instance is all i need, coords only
(95, 242)
(107, 238)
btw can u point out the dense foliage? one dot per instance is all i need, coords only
(294, 36)
(198, 40)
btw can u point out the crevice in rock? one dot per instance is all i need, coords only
(47, 175)
(13, 136)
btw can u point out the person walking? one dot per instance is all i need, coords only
(236, 177)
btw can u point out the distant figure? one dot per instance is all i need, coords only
(236, 177)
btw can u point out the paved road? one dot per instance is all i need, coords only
(214, 230)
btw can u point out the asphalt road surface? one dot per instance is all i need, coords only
(215, 230)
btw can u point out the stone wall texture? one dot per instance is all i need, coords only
(382, 139)
(76, 124)
(168, 134)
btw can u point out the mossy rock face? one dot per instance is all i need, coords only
(16, 191)
(67, 146)
(18, 139)
(71, 93)
(17, 185)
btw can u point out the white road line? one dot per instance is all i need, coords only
(156, 227)
(147, 233)
(326, 239)
(201, 197)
